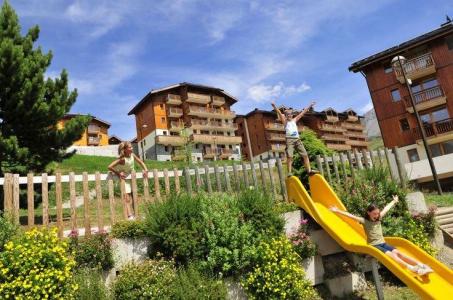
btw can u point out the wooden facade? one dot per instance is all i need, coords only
(429, 65)
(96, 134)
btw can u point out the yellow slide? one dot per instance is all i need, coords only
(351, 236)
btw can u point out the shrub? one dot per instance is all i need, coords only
(152, 279)
(128, 229)
(302, 243)
(190, 284)
(428, 221)
(94, 251)
(277, 273)
(37, 265)
(91, 285)
(7, 231)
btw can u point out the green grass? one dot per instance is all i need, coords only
(445, 200)
(86, 163)
(376, 143)
(391, 292)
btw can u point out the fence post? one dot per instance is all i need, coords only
(357, 159)
(389, 163)
(282, 179)
(145, 188)
(351, 165)
(30, 200)
(319, 163)
(156, 184)
(45, 200)
(252, 167)
(271, 179)
(237, 180)
(365, 159)
(208, 179)
(72, 200)
(166, 182)
(176, 177)
(372, 158)
(343, 166)
(99, 200)
(263, 178)
(8, 194)
(227, 178)
(188, 181)
(400, 166)
(326, 162)
(379, 154)
(16, 194)
(244, 173)
(59, 200)
(335, 168)
(112, 199)
(197, 179)
(86, 204)
(217, 178)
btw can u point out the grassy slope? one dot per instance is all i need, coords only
(376, 142)
(445, 200)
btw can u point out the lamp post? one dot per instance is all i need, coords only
(141, 133)
(398, 62)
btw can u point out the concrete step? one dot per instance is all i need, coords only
(445, 221)
(446, 216)
(444, 210)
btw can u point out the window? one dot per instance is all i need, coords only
(449, 41)
(396, 95)
(448, 147)
(164, 132)
(166, 148)
(161, 106)
(163, 119)
(404, 124)
(424, 85)
(413, 155)
(435, 150)
(434, 116)
(388, 69)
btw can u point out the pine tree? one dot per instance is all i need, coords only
(30, 105)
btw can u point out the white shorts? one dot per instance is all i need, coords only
(127, 185)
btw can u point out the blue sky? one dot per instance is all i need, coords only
(293, 51)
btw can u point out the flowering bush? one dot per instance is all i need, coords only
(277, 273)
(128, 229)
(37, 265)
(7, 231)
(302, 243)
(427, 220)
(151, 279)
(93, 251)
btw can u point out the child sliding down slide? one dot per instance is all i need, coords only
(373, 229)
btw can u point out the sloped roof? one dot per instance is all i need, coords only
(69, 116)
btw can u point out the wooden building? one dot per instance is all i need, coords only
(171, 118)
(96, 133)
(429, 65)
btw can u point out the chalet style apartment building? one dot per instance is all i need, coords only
(429, 65)
(170, 118)
(96, 134)
(340, 131)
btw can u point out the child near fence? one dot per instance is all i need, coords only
(122, 168)
(373, 229)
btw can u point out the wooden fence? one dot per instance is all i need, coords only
(101, 195)
(340, 166)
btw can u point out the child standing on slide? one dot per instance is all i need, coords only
(373, 229)
(122, 168)
(293, 141)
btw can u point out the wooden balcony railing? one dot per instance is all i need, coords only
(332, 128)
(434, 129)
(213, 125)
(352, 118)
(354, 126)
(175, 112)
(426, 98)
(417, 67)
(218, 101)
(170, 140)
(334, 137)
(331, 118)
(275, 126)
(356, 134)
(174, 99)
(198, 98)
(275, 137)
(93, 129)
(209, 112)
(94, 141)
(176, 126)
(210, 139)
(278, 147)
(338, 147)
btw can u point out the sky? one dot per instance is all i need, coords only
(293, 52)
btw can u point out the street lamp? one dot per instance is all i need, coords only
(398, 63)
(141, 135)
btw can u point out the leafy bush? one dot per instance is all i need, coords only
(302, 243)
(37, 265)
(7, 231)
(190, 284)
(94, 251)
(428, 221)
(277, 273)
(91, 285)
(152, 279)
(128, 229)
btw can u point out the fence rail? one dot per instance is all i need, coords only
(95, 201)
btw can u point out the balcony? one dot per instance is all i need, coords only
(353, 126)
(439, 128)
(210, 153)
(216, 139)
(210, 112)
(274, 127)
(93, 129)
(426, 99)
(198, 98)
(338, 147)
(352, 118)
(275, 137)
(173, 99)
(175, 112)
(224, 153)
(213, 125)
(357, 143)
(331, 118)
(176, 126)
(218, 101)
(334, 137)
(278, 147)
(417, 67)
(170, 140)
(331, 128)
(360, 135)
(93, 141)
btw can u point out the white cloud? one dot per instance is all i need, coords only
(266, 93)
